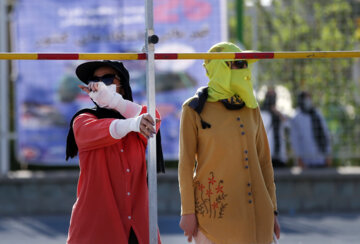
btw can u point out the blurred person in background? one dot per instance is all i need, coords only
(225, 173)
(309, 134)
(112, 195)
(275, 124)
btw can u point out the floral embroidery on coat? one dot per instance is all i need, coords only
(210, 197)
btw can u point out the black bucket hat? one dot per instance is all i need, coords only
(86, 70)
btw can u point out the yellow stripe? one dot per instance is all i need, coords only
(23, 56)
(299, 55)
(108, 56)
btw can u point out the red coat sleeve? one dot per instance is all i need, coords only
(91, 132)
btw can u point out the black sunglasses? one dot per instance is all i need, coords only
(107, 79)
(239, 64)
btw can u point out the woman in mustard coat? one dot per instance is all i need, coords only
(226, 177)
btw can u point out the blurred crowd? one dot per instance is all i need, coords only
(300, 140)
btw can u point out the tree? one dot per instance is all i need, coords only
(321, 25)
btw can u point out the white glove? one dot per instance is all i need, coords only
(107, 97)
(121, 127)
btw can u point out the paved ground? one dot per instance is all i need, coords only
(297, 229)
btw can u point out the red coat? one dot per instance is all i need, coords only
(112, 193)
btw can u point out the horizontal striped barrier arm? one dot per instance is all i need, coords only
(174, 56)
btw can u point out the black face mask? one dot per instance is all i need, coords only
(270, 101)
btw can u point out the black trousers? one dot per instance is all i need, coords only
(132, 237)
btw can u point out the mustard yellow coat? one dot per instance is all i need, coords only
(225, 174)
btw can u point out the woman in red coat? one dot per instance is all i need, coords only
(111, 139)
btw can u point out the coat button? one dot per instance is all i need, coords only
(129, 217)
(242, 126)
(246, 159)
(128, 193)
(248, 184)
(246, 166)
(250, 201)
(238, 118)
(121, 150)
(246, 151)
(128, 170)
(243, 133)
(249, 193)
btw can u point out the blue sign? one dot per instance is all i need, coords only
(47, 95)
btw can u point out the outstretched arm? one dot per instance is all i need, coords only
(92, 133)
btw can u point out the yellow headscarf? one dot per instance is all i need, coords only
(225, 82)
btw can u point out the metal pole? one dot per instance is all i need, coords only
(223, 21)
(240, 20)
(4, 91)
(150, 91)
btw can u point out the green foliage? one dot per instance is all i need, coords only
(320, 25)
